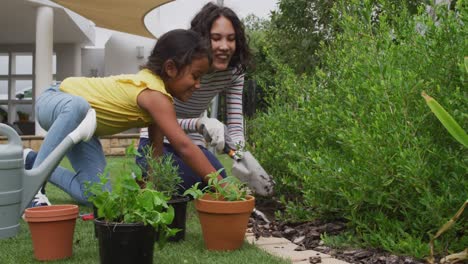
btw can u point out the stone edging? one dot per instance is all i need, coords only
(113, 145)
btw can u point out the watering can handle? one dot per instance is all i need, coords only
(10, 133)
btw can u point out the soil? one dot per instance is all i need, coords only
(307, 236)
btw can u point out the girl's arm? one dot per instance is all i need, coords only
(162, 111)
(156, 138)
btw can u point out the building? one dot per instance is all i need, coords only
(42, 42)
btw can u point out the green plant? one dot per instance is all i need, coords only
(23, 116)
(162, 172)
(353, 140)
(127, 202)
(447, 120)
(19, 249)
(228, 189)
(460, 135)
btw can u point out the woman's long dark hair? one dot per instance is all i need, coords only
(203, 21)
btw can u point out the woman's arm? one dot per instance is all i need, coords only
(235, 117)
(162, 112)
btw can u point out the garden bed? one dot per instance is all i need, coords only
(307, 236)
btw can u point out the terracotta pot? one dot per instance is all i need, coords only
(52, 228)
(224, 223)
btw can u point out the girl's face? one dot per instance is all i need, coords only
(181, 84)
(223, 43)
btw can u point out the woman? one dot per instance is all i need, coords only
(231, 56)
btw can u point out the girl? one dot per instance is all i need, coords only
(173, 71)
(231, 56)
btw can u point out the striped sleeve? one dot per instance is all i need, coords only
(188, 125)
(235, 117)
(211, 85)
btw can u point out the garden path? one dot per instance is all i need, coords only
(284, 248)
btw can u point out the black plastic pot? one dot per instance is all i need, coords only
(95, 214)
(125, 243)
(180, 218)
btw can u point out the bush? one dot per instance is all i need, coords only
(357, 138)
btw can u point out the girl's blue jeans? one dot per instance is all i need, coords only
(60, 113)
(188, 176)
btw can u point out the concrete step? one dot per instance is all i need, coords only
(284, 248)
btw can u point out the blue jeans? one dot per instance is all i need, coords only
(188, 176)
(60, 113)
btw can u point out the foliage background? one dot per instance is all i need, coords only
(345, 122)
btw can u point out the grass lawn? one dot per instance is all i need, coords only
(19, 249)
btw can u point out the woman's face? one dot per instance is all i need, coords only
(223, 43)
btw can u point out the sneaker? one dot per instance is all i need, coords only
(29, 156)
(39, 199)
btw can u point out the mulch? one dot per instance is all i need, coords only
(307, 236)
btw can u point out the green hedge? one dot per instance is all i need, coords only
(357, 141)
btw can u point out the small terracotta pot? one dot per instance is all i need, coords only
(52, 228)
(224, 223)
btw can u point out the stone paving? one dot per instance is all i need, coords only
(284, 248)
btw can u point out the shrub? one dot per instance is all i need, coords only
(358, 141)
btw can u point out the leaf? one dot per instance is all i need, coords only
(447, 120)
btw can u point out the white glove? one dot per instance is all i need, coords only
(213, 131)
(233, 149)
(248, 170)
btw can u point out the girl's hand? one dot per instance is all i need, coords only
(163, 114)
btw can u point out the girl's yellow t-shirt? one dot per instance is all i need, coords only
(115, 99)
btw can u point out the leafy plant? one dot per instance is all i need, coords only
(23, 116)
(127, 202)
(460, 135)
(163, 173)
(228, 189)
(447, 120)
(362, 146)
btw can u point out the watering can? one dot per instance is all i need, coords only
(17, 185)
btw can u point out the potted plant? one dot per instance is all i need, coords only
(164, 176)
(127, 217)
(23, 117)
(223, 208)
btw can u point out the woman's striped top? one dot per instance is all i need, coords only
(212, 84)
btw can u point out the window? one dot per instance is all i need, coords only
(3, 89)
(22, 63)
(23, 89)
(4, 63)
(16, 88)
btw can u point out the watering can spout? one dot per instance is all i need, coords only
(35, 178)
(17, 185)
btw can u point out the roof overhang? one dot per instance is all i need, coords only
(18, 20)
(120, 15)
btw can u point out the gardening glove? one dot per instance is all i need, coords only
(235, 151)
(248, 170)
(213, 131)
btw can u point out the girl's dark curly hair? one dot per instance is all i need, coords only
(179, 45)
(203, 21)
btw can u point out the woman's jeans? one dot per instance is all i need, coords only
(60, 113)
(188, 176)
